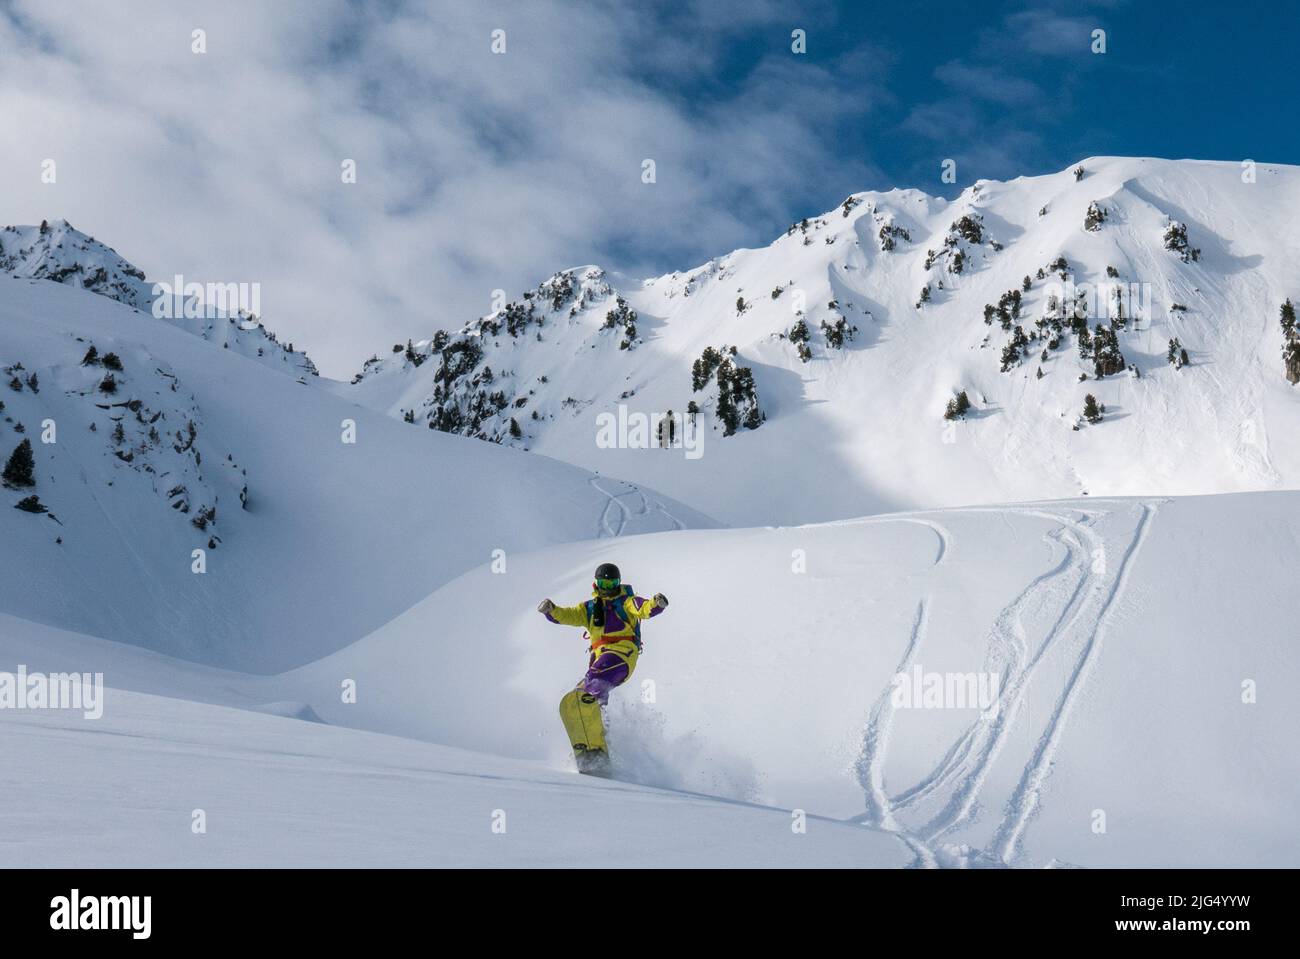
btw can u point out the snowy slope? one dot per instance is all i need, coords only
(280, 793)
(1121, 632)
(311, 541)
(859, 428)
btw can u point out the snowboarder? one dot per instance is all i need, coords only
(612, 620)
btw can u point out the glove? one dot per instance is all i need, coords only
(661, 600)
(545, 606)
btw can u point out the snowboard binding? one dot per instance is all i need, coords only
(581, 715)
(592, 762)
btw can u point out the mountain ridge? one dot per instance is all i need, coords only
(930, 298)
(848, 336)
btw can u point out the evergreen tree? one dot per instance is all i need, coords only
(727, 410)
(1085, 341)
(1107, 358)
(837, 333)
(1176, 355)
(1017, 347)
(1288, 319)
(958, 406)
(112, 362)
(703, 368)
(799, 337)
(1092, 410)
(92, 356)
(21, 468)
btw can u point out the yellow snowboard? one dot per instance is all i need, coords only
(580, 713)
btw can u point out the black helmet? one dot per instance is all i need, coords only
(608, 571)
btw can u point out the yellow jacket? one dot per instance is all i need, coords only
(608, 620)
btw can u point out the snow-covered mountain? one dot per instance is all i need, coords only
(233, 547)
(202, 503)
(844, 341)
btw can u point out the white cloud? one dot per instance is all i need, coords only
(475, 171)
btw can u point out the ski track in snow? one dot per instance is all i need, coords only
(605, 526)
(616, 514)
(1087, 591)
(1025, 799)
(966, 766)
(875, 745)
(944, 537)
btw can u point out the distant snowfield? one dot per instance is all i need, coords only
(1121, 632)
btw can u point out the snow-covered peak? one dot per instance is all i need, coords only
(58, 252)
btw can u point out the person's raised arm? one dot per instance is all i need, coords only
(563, 615)
(645, 608)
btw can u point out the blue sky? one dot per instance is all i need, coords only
(480, 171)
(1012, 88)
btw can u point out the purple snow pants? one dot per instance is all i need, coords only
(605, 670)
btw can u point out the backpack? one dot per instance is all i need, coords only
(619, 611)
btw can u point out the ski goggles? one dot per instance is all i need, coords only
(607, 584)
